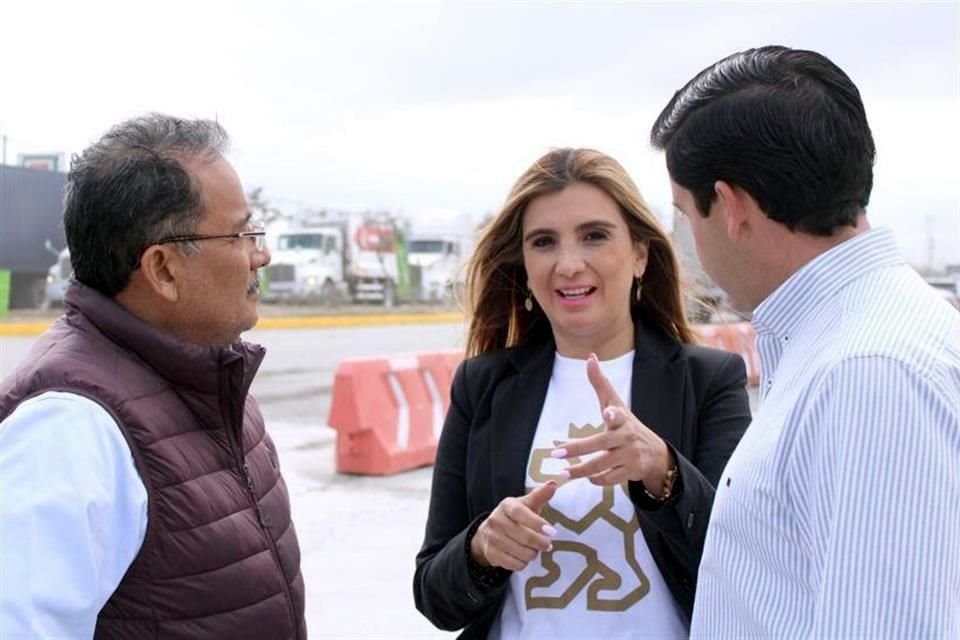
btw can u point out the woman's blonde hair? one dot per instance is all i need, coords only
(496, 281)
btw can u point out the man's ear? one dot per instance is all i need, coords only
(735, 205)
(159, 269)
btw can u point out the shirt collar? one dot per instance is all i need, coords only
(816, 282)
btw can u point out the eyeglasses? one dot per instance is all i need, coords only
(256, 234)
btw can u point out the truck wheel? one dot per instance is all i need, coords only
(389, 294)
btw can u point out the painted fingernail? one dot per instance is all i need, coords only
(558, 453)
(565, 473)
(549, 547)
(609, 414)
(548, 530)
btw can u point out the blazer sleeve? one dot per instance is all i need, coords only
(723, 414)
(443, 589)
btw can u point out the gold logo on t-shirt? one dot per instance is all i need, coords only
(596, 577)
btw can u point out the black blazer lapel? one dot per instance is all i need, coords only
(657, 389)
(514, 413)
(656, 397)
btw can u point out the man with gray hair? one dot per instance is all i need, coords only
(142, 496)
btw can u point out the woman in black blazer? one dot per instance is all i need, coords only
(576, 270)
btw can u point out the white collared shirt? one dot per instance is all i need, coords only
(838, 515)
(73, 515)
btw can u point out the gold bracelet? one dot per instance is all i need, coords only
(669, 478)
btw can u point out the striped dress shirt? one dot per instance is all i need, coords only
(838, 515)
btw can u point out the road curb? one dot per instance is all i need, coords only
(21, 329)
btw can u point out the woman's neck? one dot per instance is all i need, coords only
(580, 348)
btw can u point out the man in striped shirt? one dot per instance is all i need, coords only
(839, 513)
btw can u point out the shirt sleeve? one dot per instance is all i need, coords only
(883, 513)
(73, 512)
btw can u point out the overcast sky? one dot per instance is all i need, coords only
(420, 106)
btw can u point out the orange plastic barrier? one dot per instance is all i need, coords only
(388, 412)
(737, 338)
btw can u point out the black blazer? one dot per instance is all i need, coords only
(693, 397)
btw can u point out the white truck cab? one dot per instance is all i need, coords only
(306, 266)
(439, 260)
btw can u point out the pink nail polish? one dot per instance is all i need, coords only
(558, 453)
(550, 547)
(565, 473)
(548, 530)
(609, 414)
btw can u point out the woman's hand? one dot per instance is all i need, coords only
(630, 450)
(515, 533)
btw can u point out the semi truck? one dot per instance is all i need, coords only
(439, 261)
(330, 258)
(31, 230)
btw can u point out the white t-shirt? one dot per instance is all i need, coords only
(599, 581)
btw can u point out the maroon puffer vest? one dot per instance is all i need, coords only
(220, 558)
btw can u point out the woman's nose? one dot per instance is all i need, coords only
(569, 262)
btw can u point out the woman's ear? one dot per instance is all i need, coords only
(641, 251)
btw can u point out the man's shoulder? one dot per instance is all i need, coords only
(896, 315)
(77, 359)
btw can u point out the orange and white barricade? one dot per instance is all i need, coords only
(737, 337)
(388, 411)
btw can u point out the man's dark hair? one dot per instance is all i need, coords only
(130, 189)
(787, 126)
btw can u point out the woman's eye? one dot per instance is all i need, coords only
(595, 236)
(542, 241)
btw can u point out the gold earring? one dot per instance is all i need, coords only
(639, 289)
(528, 301)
